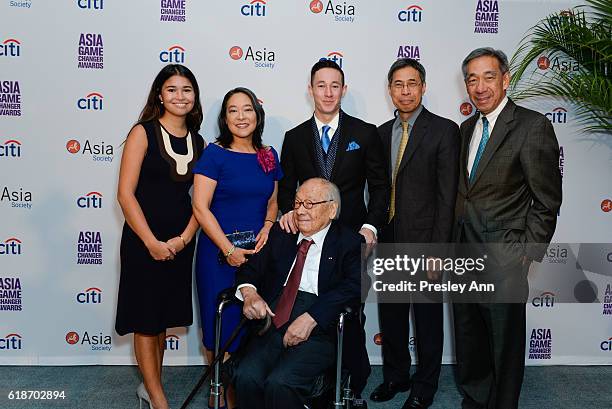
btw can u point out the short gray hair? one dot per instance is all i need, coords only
(331, 190)
(486, 51)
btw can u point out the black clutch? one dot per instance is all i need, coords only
(243, 239)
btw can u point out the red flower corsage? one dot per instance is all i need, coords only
(266, 160)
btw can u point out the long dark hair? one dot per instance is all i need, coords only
(225, 137)
(154, 108)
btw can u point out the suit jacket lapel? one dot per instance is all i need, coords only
(503, 125)
(417, 133)
(344, 134)
(310, 144)
(465, 148)
(328, 256)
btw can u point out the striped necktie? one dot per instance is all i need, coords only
(481, 147)
(398, 160)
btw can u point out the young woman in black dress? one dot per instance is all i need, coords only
(157, 242)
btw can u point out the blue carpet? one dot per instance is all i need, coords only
(113, 387)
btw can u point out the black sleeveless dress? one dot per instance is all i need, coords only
(155, 295)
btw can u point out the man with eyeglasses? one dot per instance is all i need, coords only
(422, 154)
(303, 280)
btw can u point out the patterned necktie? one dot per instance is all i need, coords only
(481, 147)
(287, 298)
(398, 160)
(325, 141)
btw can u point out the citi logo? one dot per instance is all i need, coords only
(11, 246)
(466, 109)
(10, 48)
(557, 116)
(10, 149)
(545, 300)
(336, 57)
(11, 342)
(91, 4)
(92, 295)
(172, 343)
(92, 102)
(174, 54)
(92, 200)
(412, 14)
(256, 8)
(606, 345)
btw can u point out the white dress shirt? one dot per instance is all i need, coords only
(333, 126)
(477, 135)
(310, 274)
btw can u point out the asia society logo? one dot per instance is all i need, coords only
(260, 57)
(10, 48)
(92, 200)
(556, 63)
(607, 304)
(174, 54)
(341, 12)
(378, 339)
(466, 108)
(335, 56)
(11, 342)
(606, 205)
(412, 14)
(172, 10)
(18, 198)
(11, 247)
(544, 300)
(94, 101)
(555, 254)
(96, 342)
(26, 4)
(605, 345)
(172, 342)
(10, 149)
(10, 98)
(10, 294)
(557, 115)
(256, 8)
(89, 247)
(97, 151)
(486, 20)
(540, 343)
(92, 295)
(91, 4)
(91, 51)
(409, 51)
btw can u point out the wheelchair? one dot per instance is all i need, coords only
(321, 391)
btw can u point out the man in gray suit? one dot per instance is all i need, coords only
(508, 197)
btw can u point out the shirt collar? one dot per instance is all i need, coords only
(411, 121)
(333, 124)
(492, 116)
(318, 237)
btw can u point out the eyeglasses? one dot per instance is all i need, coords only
(308, 204)
(399, 86)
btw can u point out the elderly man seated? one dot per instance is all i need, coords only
(303, 281)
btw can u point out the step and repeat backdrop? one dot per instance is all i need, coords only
(74, 75)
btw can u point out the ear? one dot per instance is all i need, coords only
(344, 88)
(310, 91)
(506, 80)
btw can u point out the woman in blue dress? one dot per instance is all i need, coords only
(235, 186)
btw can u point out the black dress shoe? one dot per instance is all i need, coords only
(417, 402)
(387, 391)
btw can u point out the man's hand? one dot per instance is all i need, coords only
(370, 238)
(299, 330)
(254, 308)
(527, 262)
(287, 223)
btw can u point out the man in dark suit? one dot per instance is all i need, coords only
(422, 152)
(347, 151)
(507, 202)
(303, 280)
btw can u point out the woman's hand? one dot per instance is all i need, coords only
(177, 244)
(262, 236)
(238, 257)
(161, 251)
